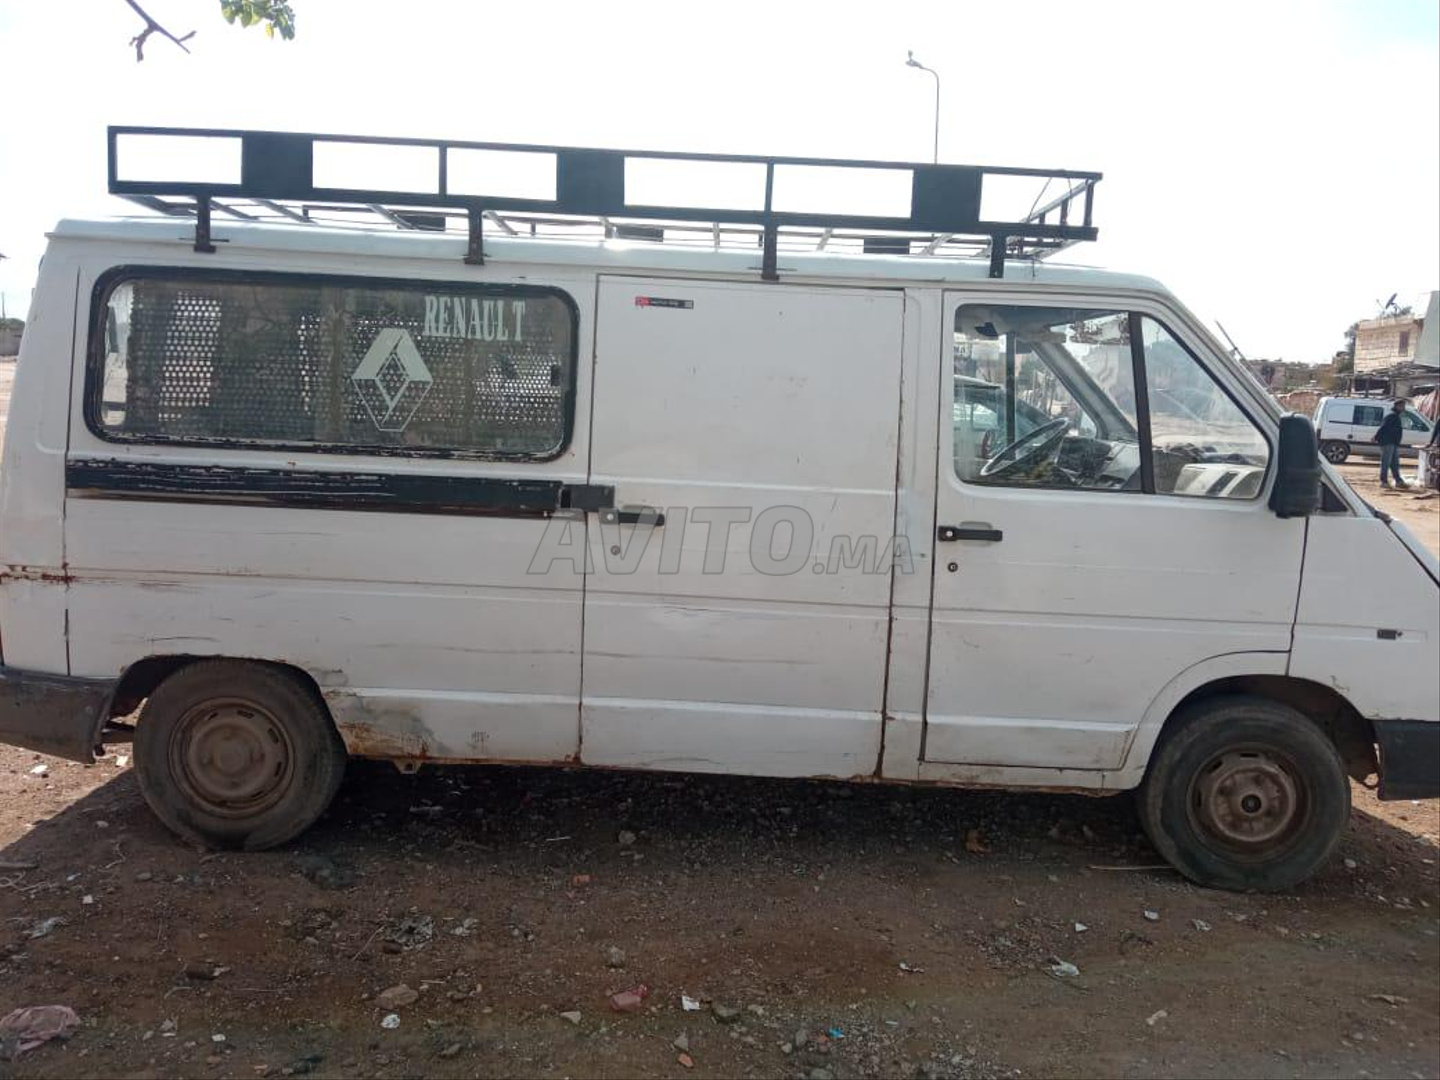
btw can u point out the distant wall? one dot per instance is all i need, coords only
(1300, 401)
(10, 339)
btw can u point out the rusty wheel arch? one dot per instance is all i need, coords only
(1352, 734)
(141, 679)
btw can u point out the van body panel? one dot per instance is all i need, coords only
(1376, 644)
(1194, 678)
(430, 622)
(32, 485)
(752, 624)
(748, 740)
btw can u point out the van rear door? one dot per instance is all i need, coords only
(747, 633)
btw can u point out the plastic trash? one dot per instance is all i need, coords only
(630, 1000)
(32, 1026)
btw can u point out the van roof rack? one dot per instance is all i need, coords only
(578, 188)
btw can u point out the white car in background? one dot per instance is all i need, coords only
(1346, 425)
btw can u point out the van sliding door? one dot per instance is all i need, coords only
(746, 631)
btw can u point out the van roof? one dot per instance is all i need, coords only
(606, 254)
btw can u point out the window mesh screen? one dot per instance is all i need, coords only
(296, 361)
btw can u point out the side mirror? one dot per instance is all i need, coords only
(1297, 469)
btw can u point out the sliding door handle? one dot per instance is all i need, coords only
(643, 515)
(970, 530)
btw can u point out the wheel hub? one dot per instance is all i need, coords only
(232, 756)
(1248, 799)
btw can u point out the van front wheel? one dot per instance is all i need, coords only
(1335, 452)
(237, 755)
(1245, 793)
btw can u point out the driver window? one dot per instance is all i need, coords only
(1044, 397)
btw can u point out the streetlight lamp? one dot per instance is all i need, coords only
(910, 61)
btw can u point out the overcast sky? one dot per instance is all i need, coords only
(1276, 164)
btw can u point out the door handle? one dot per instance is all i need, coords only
(614, 515)
(971, 530)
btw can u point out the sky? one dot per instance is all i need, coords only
(1276, 164)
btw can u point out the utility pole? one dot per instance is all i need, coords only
(912, 62)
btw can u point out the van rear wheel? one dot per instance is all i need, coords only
(1245, 793)
(1335, 452)
(236, 754)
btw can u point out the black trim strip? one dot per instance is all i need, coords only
(1141, 376)
(95, 478)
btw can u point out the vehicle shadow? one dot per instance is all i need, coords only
(549, 819)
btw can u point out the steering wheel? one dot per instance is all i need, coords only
(1030, 449)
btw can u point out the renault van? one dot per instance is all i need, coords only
(748, 492)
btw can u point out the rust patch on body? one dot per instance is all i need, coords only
(391, 733)
(45, 574)
(369, 741)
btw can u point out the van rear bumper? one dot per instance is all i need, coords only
(54, 714)
(1409, 758)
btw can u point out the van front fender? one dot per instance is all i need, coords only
(1196, 676)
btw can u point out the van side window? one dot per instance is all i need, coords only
(1368, 415)
(335, 364)
(1202, 443)
(1412, 420)
(1044, 397)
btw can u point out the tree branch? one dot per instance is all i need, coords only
(152, 27)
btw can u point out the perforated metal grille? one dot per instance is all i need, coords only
(291, 360)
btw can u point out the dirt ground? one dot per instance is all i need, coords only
(1418, 509)
(824, 930)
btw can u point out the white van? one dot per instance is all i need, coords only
(1348, 425)
(750, 505)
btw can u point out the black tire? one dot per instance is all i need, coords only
(1245, 793)
(235, 754)
(1335, 452)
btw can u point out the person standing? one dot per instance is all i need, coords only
(1392, 430)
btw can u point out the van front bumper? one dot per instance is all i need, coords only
(54, 714)
(1409, 758)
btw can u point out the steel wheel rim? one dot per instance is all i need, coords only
(1251, 800)
(232, 757)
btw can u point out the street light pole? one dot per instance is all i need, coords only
(910, 61)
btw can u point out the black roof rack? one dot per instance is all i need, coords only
(588, 186)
